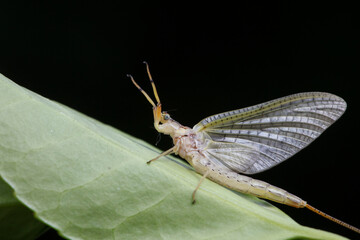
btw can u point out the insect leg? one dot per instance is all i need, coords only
(197, 187)
(152, 83)
(156, 107)
(142, 91)
(167, 152)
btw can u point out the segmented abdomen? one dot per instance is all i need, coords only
(245, 184)
(190, 146)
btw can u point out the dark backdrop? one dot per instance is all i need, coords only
(205, 60)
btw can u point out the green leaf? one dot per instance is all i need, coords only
(90, 181)
(13, 215)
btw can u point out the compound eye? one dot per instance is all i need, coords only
(166, 116)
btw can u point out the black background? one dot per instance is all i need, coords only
(205, 59)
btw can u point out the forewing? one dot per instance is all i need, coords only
(254, 139)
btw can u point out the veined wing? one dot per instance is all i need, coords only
(254, 139)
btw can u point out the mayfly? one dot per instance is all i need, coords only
(250, 140)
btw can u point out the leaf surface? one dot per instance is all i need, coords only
(91, 181)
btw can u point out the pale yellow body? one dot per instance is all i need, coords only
(251, 140)
(189, 145)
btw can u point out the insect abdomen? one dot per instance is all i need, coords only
(268, 191)
(188, 149)
(245, 184)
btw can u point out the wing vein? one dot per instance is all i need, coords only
(256, 138)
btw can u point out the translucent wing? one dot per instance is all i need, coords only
(254, 139)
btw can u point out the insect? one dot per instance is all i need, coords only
(250, 140)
